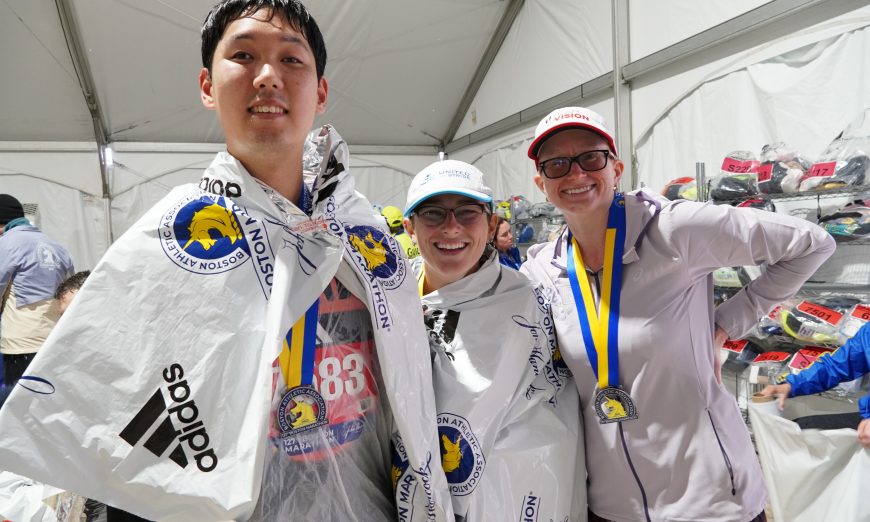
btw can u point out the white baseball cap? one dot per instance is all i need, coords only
(447, 177)
(567, 118)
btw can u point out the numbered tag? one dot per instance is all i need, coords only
(827, 315)
(735, 346)
(739, 167)
(765, 172)
(805, 357)
(772, 357)
(774, 314)
(822, 170)
(861, 312)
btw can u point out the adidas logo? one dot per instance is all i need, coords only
(192, 433)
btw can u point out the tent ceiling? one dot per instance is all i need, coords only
(397, 69)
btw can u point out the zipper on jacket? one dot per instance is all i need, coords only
(633, 472)
(724, 454)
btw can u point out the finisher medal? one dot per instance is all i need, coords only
(600, 327)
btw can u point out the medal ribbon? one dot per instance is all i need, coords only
(600, 329)
(297, 355)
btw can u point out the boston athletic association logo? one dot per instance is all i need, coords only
(461, 455)
(202, 234)
(377, 254)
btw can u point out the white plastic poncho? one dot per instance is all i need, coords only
(508, 412)
(152, 393)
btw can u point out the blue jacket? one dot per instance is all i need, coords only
(849, 362)
(511, 258)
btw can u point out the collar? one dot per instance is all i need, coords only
(17, 222)
(641, 206)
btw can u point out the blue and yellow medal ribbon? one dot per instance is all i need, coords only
(297, 355)
(600, 328)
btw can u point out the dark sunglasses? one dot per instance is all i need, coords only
(589, 161)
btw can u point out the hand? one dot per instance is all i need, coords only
(782, 391)
(719, 338)
(864, 433)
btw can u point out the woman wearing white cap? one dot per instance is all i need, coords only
(511, 442)
(629, 283)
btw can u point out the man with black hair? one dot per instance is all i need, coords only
(273, 264)
(32, 265)
(68, 289)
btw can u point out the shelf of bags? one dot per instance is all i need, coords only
(797, 196)
(811, 194)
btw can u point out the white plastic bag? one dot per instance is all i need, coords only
(812, 475)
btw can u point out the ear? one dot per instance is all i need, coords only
(205, 89)
(409, 229)
(322, 95)
(493, 227)
(539, 181)
(618, 167)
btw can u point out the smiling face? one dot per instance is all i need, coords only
(451, 250)
(263, 85)
(578, 192)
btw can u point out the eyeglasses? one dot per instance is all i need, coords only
(589, 161)
(465, 215)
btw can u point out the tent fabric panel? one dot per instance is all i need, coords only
(77, 169)
(764, 103)
(656, 25)
(553, 46)
(40, 89)
(75, 219)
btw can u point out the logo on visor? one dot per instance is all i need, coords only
(203, 235)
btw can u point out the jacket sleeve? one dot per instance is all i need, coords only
(849, 362)
(713, 236)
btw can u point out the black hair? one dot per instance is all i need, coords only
(72, 283)
(228, 11)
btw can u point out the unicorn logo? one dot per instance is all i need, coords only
(203, 234)
(452, 453)
(461, 455)
(303, 415)
(373, 251)
(212, 218)
(613, 408)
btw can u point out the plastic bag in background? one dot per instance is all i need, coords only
(759, 203)
(519, 207)
(681, 188)
(737, 180)
(812, 475)
(772, 364)
(845, 162)
(731, 277)
(817, 320)
(544, 209)
(850, 223)
(769, 325)
(781, 169)
(502, 209)
(855, 319)
(741, 353)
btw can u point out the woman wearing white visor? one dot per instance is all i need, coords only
(511, 442)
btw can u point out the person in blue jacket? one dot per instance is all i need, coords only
(508, 254)
(849, 362)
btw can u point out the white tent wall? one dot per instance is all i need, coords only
(552, 46)
(803, 96)
(74, 218)
(771, 64)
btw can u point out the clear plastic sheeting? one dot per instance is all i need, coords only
(812, 475)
